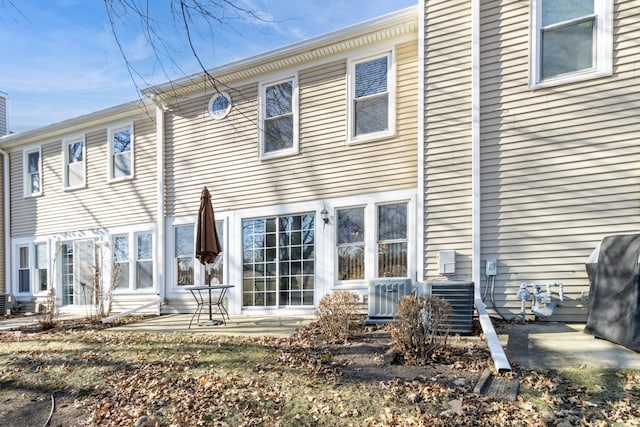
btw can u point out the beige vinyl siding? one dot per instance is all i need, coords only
(100, 204)
(448, 135)
(561, 165)
(223, 154)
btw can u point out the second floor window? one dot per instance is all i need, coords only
(121, 152)
(572, 39)
(74, 165)
(279, 127)
(32, 175)
(371, 111)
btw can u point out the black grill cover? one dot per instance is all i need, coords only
(614, 296)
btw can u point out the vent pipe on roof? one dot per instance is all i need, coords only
(4, 127)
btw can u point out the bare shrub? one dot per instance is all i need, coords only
(338, 317)
(420, 329)
(48, 312)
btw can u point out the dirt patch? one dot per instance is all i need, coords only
(35, 408)
(371, 357)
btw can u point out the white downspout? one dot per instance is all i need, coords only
(7, 224)
(162, 244)
(421, 144)
(497, 352)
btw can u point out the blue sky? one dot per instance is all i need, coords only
(60, 59)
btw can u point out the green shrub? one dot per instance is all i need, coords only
(338, 316)
(420, 329)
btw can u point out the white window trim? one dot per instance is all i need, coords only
(370, 205)
(110, 170)
(199, 273)
(129, 286)
(134, 255)
(25, 171)
(603, 45)
(219, 115)
(391, 89)
(30, 243)
(65, 162)
(295, 149)
(131, 233)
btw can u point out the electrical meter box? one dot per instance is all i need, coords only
(491, 267)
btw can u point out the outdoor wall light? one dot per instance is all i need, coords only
(324, 214)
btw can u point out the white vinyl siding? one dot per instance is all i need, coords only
(326, 164)
(100, 203)
(448, 165)
(559, 168)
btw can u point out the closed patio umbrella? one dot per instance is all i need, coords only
(207, 242)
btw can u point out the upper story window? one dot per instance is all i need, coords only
(121, 152)
(279, 118)
(74, 162)
(371, 112)
(571, 41)
(32, 167)
(219, 105)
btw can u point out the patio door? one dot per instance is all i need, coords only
(77, 269)
(278, 261)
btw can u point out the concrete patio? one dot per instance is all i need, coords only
(237, 325)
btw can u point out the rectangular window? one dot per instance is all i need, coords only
(279, 118)
(121, 261)
(144, 260)
(24, 273)
(32, 176)
(121, 152)
(278, 261)
(217, 268)
(40, 269)
(572, 40)
(392, 240)
(74, 164)
(184, 256)
(350, 243)
(372, 106)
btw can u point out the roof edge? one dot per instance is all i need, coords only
(297, 48)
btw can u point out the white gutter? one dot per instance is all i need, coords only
(7, 224)
(497, 352)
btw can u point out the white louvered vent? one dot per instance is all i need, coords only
(460, 296)
(383, 298)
